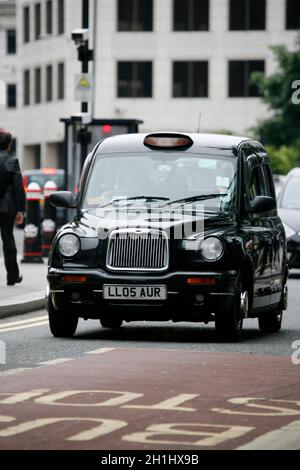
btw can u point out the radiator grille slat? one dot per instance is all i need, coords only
(145, 250)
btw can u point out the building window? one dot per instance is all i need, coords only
(191, 15)
(134, 79)
(240, 72)
(11, 96)
(292, 14)
(37, 86)
(49, 17)
(36, 155)
(11, 46)
(61, 82)
(135, 15)
(26, 87)
(49, 83)
(26, 24)
(61, 17)
(247, 15)
(37, 21)
(190, 79)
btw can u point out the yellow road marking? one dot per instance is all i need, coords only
(22, 327)
(21, 322)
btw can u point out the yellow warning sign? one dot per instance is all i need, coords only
(84, 82)
(83, 87)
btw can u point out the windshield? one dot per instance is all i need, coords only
(161, 179)
(291, 195)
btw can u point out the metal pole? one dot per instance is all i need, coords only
(66, 158)
(85, 69)
(85, 25)
(95, 34)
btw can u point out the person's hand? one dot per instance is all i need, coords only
(19, 218)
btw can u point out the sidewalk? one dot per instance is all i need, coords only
(28, 295)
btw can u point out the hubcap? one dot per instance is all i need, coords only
(244, 304)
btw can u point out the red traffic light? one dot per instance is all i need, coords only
(106, 128)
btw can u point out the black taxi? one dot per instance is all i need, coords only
(170, 227)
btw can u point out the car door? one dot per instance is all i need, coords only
(279, 242)
(260, 229)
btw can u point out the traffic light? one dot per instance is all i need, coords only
(107, 128)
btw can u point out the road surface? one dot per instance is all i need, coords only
(150, 386)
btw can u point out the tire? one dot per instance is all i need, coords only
(229, 324)
(271, 321)
(113, 323)
(62, 324)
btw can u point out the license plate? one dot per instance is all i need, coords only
(121, 292)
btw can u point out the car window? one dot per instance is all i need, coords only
(172, 175)
(259, 183)
(255, 184)
(268, 186)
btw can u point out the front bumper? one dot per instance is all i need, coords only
(183, 301)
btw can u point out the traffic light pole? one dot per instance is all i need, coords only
(85, 25)
(85, 69)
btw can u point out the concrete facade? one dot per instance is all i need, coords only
(8, 67)
(39, 123)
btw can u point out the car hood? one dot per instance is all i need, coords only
(290, 217)
(96, 223)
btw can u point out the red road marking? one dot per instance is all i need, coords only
(149, 399)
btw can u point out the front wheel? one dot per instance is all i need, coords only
(61, 323)
(270, 322)
(229, 324)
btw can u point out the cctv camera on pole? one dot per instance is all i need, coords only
(84, 81)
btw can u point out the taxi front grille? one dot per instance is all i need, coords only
(138, 251)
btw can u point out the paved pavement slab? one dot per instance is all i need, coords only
(27, 296)
(30, 294)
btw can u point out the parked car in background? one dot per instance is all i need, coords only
(278, 183)
(289, 211)
(169, 226)
(41, 176)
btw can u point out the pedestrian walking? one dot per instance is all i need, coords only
(12, 206)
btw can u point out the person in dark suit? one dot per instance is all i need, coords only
(12, 208)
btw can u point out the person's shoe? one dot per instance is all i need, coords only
(16, 281)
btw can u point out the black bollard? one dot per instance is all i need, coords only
(49, 223)
(32, 232)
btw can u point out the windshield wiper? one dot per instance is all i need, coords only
(133, 198)
(199, 197)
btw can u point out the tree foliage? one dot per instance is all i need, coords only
(280, 132)
(283, 158)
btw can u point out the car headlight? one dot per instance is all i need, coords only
(68, 245)
(288, 231)
(212, 248)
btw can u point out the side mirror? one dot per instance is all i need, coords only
(262, 204)
(64, 199)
